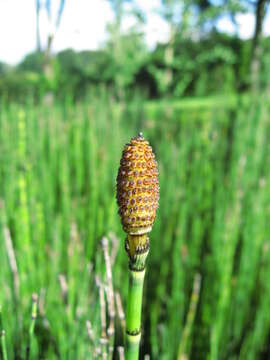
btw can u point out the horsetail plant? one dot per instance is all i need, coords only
(32, 326)
(3, 347)
(137, 198)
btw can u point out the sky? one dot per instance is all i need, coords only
(83, 26)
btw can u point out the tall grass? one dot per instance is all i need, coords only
(58, 166)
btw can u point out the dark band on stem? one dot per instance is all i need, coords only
(139, 250)
(137, 262)
(132, 268)
(133, 333)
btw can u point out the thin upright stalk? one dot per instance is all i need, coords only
(135, 295)
(3, 338)
(110, 296)
(32, 325)
(3, 345)
(133, 314)
(121, 353)
(120, 313)
(190, 317)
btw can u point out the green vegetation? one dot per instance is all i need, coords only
(207, 291)
(201, 98)
(218, 64)
(133, 314)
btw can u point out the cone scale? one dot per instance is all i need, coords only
(137, 199)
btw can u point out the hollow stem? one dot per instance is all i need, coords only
(135, 293)
(2, 338)
(3, 345)
(190, 317)
(32, 325)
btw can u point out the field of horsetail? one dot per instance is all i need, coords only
(206, 291)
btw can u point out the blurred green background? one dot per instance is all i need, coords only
(201, 98)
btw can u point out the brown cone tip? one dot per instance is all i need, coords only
(137, 186)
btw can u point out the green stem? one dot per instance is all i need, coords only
(135, 295)
(133, 315)
(182, 352)
(3, 338)
(32, 325)
(3, 345)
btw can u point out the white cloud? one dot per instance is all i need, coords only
(246, 24)
(83, 24)
(17, 29)
(155, 29)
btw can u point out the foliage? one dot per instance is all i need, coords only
(217, 63)
(33, 62)
(58, 167)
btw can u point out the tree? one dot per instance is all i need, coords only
(37, 25)
(256, 51)
(54, 23)
(170, 12)
(126, 49)
(258, 7)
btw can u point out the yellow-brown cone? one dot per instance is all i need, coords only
(137, 187)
